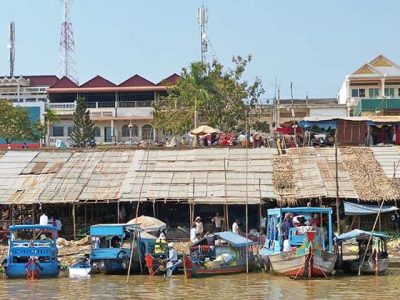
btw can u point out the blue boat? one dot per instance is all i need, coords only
(32, 252)
(111, 248)
(303, 249)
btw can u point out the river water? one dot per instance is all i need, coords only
(242, 286)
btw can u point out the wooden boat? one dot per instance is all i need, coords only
(32, 252)
(372, 255)
(226, 255)
(308, 250)
(111, 247)
(81, 268)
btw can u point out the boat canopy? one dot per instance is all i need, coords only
(32, 227)
(299, 210)
(357, 233)
(111, 229)
(354, 209)
(234, 239)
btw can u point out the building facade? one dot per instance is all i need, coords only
(373, 89)
(287, 110)
(122, 113)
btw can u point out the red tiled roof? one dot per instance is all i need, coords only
(41, 80)
(137, 80)
(64, 82)
(171, 80)
(98, 81)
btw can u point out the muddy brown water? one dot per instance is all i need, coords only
(242, 286)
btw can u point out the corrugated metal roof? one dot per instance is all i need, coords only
(47, 162)
(11, 165)
(389, 159)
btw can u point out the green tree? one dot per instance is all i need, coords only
(220, 96)
(82, 132)
(15, 124)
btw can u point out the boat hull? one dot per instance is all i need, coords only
(369, 267)
(198, 271)
(18, 270)
(305, 265)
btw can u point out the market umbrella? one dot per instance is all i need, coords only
(149, 223)
(203, 129)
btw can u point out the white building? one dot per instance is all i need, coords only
(374, 88)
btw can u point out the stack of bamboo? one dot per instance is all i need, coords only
(283, 179)
(367, 175)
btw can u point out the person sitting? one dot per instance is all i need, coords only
(116, 242)
(160, 246)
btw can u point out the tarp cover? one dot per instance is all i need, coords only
(358, 232)
(353, 209)
(233, 239)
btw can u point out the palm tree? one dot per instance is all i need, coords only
(50, 118)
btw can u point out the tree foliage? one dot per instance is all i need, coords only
(219, 95)
(82, 132)
(15, 124)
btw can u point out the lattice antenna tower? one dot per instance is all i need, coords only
(11, 47)
(202, 15)
(67, 60)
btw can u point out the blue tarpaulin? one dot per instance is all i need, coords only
(356, 233)
(353, 209)
(234, 239)
(321, 124)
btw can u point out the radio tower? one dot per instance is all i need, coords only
(202, 15)
(67, 45)
(11, 47)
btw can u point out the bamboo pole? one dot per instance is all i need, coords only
(136, 221)
(73, 220)
(118, 220)
(247, 197)
(337, 186)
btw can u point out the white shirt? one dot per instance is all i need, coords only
(173, 255)
(193, 233)
(58, 224)
(199, 227)
(218, 221)
(235, 228)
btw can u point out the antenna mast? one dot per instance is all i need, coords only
(11, 47)
(67, 45)
(203, 19)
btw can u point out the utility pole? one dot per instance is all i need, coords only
(293, 116)
(67, 45)
(11, 47)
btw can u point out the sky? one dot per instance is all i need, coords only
(311, 43)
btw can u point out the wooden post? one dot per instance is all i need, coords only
(73, 220)
(118, 212)
(154, 208)
(11, 214)
(33, 214)
(85, 213)
(337, 187)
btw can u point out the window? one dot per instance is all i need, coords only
(389, 92)
(147, 132)
(358, 93)
(58, 131)
(373, 93)
(126, 132)
(96, 131)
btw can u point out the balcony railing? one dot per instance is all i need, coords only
(62, 106)
(145, 103)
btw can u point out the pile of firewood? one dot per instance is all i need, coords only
(367, 175)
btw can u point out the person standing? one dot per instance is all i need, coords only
(193, 234)
(217, 220)
(199, 226)
(235, 227)
(172, 253)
